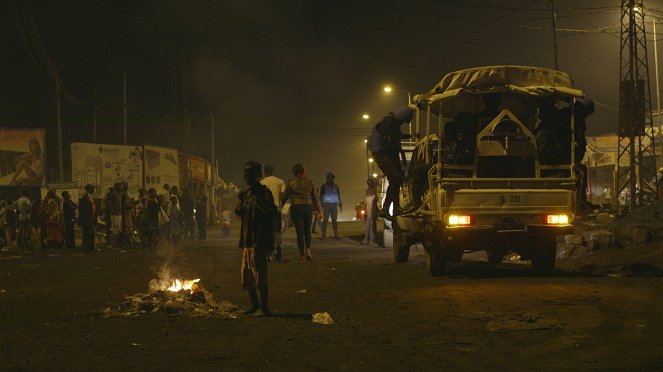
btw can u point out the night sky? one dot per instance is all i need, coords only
(287, 81)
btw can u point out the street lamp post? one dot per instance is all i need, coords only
(365, 117)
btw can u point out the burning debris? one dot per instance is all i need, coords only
(174, 298)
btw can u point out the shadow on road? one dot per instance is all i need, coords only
(484, 270)
(293, 316)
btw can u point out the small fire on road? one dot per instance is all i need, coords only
(183, 285)
(176, 297)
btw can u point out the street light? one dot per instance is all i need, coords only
(366, 116)
(388, 89)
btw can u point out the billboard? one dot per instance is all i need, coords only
(22, 161)
(104, 165)
(196, 170)
(161, 167)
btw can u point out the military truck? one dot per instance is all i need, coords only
(493, 168)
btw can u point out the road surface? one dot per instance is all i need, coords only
(387, 316)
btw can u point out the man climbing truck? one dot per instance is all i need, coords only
(492, 170)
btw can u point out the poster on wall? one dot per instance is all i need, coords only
(22, 161)
(198, 169)
(161, 168)
(105, 165)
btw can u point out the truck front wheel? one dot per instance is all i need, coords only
(436, 264)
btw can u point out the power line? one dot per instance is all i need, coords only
(514, 11)
(36, 49)
(502, 7)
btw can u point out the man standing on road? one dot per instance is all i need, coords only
(87, 217)
(277, 187)
(257, 210)
(330, 196)
(385, 144)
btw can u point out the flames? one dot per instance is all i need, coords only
(186, 285)
(169, 283)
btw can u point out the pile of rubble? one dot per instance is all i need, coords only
(644, 224)
(603, 244)
(196, 302)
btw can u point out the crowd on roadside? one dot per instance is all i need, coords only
(117, 220)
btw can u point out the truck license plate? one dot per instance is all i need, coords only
(510, 199)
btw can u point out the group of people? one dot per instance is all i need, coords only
(148, 220)
(46, 223)
(156, 217)
(308, 205)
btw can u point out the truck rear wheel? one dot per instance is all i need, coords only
(495, 257)
(436, 264)
(543, 259)
(400, 247)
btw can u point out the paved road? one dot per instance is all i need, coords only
(388, 316)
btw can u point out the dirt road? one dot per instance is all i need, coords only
(388, 316)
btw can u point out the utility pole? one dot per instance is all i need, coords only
(94, 117)
(658, 91)
(185, 117)
(58, 122)
(124, 104)
(636, 130)
(554, 30)
(212, 197)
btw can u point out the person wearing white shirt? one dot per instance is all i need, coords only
(277, 187)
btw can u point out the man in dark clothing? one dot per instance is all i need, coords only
(491, 103)
(385, 144)
(582, 108)
(69, 213)
(547, 141)
(330, 196)
(186, 206)
(87, 217)
(152, 210)
(257, 210)
(462, 150)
